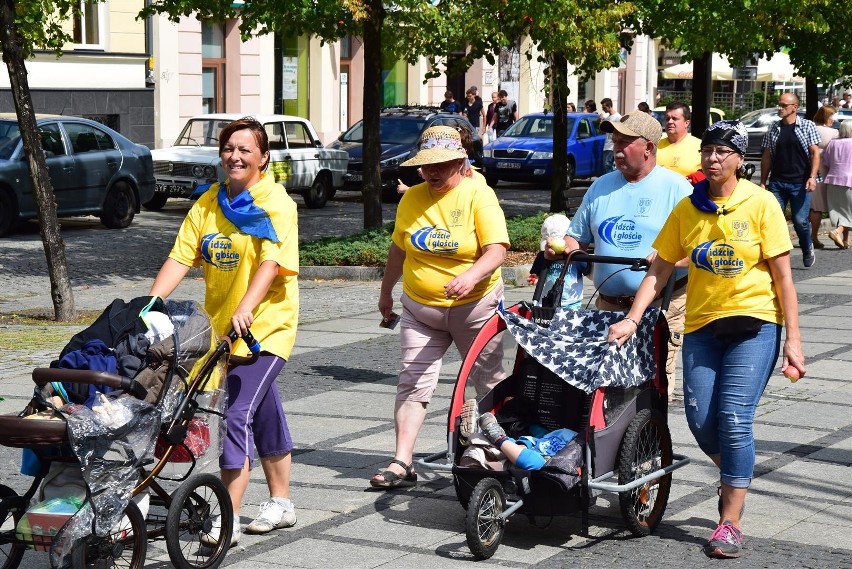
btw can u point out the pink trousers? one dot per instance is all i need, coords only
(427, 332)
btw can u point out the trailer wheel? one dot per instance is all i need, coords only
(483, 525)
(646, 447)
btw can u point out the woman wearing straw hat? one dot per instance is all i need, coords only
(449, 241)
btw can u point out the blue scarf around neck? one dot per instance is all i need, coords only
(246, 215)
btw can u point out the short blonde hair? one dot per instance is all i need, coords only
(824, 113)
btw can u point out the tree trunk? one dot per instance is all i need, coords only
(373, 97)
(811, 97)
(559, 78)
(701, 84)
(54, 246)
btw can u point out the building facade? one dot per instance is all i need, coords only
(103, 74)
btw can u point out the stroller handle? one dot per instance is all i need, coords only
(43, 376)
(635, 263)
(251, 342)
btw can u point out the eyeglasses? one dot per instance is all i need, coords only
(720, 153)
(785, 105)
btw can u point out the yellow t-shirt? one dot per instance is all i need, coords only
(230, 258)
(443, 236)
(682, 157)
(728, 271)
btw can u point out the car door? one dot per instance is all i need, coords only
(280, 162)
(96, 161)
(304, 154)
(61, 167)
(584, 145)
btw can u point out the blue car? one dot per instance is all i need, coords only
(525, 151)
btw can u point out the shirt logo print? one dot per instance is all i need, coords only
(218, 250)
(719, 259)
(620, 233)
(434, 239)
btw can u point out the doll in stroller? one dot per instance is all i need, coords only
(608, 406)
(124, 431)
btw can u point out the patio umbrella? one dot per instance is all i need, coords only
(777, 69)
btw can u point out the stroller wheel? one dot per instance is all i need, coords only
(483, 525)
(646, 447)
(125, 546)
(12, 508)
(194, 505)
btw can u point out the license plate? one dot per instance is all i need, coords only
(354, 177)
(171, 189)
(509, 165)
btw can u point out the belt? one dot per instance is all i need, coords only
(627, 301)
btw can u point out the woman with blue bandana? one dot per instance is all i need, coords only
(739, 294)
(244, 235)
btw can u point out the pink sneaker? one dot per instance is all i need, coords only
(724, 542)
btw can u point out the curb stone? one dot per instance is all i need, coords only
(511, 275)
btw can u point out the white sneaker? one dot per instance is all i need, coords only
(275, 513)
(212, 539)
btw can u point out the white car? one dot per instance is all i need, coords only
(298, 159)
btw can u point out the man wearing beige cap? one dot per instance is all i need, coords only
(622, 213)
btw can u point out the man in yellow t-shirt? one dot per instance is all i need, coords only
(678, 150)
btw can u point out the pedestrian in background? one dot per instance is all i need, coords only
(678, 150)
(473, 110)
(838, 164)
(609, 114)
(590, 106)
(823, 119)
(643, 106)
(449, 104)
(734, 313)
(572, 108)
(449, 241)
(790, 163)
(505, 113)
(489, 117)
(255, 220)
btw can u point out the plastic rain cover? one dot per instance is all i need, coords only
(113, 438)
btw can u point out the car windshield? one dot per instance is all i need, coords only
(535, 127)
(749, 118)
(202, 132)
(10, 134)
(392, 130)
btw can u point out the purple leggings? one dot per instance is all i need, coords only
(255, 417)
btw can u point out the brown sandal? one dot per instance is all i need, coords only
(391, 479)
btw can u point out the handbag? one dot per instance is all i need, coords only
(197, 442)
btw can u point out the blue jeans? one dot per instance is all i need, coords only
(800, 204)
(609, 161)
(722, 383)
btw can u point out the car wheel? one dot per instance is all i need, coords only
(570, 171)
(156, 203)
(318, 194)
(390, 195)
(8, 212)
(119, 207)
(491, 180)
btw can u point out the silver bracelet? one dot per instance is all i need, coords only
(631, 320)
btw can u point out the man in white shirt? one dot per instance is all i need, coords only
(608, 114)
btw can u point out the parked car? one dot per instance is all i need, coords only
(524, 153)
(93, 169)
(659, 113)
(399, 132)
(297, 159)
(757, 123)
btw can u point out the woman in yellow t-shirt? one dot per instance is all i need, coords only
(449, 241)
(740, 291)
(244, 235)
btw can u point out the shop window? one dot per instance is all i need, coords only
(394, 82)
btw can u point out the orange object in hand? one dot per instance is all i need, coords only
(792, 373)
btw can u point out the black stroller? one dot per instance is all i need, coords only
(623, 443)
(158, 427)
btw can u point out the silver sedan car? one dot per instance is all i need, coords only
(94, 171)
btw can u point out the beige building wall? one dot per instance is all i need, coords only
(126, 34)
(249, 83)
